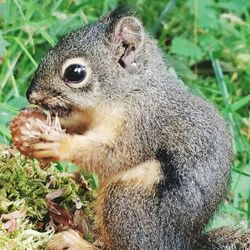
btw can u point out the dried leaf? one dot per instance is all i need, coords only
(80, 223)
(40, 225)
(80, 180)
(11, 225)
(10, 220)
(60, 214)
(54, 194)
(14, 215)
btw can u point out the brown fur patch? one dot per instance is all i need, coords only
(90, 148)
(146, 174)
(101, 226)
(78, 121)
(100, 120)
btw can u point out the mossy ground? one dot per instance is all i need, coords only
(24, 186)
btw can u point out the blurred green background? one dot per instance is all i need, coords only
(207, 41)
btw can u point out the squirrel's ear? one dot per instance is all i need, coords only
(127, 38)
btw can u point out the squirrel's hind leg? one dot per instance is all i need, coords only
(127, 209)
(69, 240)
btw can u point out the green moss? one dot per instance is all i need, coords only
(24, 184)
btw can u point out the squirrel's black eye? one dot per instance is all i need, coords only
(74, 73)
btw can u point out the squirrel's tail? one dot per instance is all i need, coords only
(225, 239)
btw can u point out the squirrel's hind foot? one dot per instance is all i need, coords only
(69, 240)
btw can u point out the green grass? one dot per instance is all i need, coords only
(208, 43)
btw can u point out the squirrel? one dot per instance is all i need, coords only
(163, 154)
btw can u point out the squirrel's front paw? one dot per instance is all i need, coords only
(54, 149)
(40, 136)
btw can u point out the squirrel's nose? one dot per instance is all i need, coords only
(31, 94)
(28, 93)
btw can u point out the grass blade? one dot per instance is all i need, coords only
(26, 52)
(167, 9)
(240, 103)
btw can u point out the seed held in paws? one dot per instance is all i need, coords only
(33, 126)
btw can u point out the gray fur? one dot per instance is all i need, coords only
(164, 121)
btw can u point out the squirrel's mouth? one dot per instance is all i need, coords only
(59, 111)
(55, 104)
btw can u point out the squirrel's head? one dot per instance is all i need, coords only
(101, 62)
